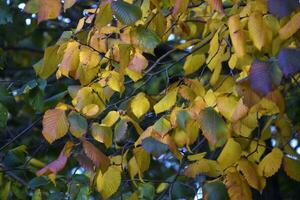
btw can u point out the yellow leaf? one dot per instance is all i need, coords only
(195, 157)
(249, 171)
(48, 9)
(161, 187)
(193, 63)
(257, 30)
(256, 150)
(110, 119)
(290, 28)
(192, 131)
(70, 60)
(231, 108)
(237, 35)
(208, 167)
(270, 163)
(109, 182)
(55, 124)
(180, 137)
(210, 98)
(230, 154)
(88, 57)
(115, 82)
(292, 168)
(102, 134)
(142, 159)
(166, 103)
(91, 110)
(140, 105)
(237, 187)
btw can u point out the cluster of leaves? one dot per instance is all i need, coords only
(212, 102)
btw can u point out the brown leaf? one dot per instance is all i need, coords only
(55, 124)
(85, 162)
(98, 158)
(48, 9)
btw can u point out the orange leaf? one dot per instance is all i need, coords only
(55, 124)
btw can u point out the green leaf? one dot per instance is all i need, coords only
(38, 182)
(146, 191)
(83, 193)
(32, 6)
(3, 116)
(215, 190)
(127, 13)
(146, 39)
(50, 62)
(78, 124)
(182, 116)
(120, 131)
(37, 195)
(36, 100)
(162, 126)
(154, 146)
(104, 16)
(214, 128)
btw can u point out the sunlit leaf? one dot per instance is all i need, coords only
(55, 124)
(230, 154)
(162, 126)
(271, 163)
(108, 183)
(290, 28)
(140, 105)
(166, 102)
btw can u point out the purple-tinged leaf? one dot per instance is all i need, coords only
(282, 8)
(264, 77)
(289, 61)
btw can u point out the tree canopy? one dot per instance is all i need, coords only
(149, 99)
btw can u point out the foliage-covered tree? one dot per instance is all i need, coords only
(149, 99)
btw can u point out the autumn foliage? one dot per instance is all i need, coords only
(211, 100)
